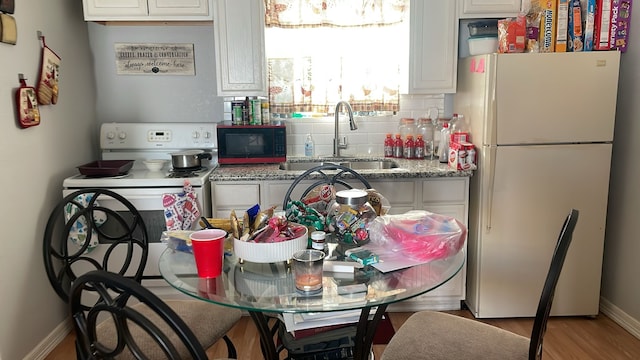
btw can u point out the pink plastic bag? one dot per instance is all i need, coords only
(419, 234)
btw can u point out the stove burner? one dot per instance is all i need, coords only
(185, 172)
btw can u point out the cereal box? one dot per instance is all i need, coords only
(602, 25)
(548, 25)
(623, 23)
(574, 42)
(613, 25)
(562, 24)
(589, 23)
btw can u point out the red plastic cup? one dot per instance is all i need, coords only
(208, 250)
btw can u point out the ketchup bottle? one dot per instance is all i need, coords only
(397, 147)
(388, 146)
(419, 151)
(409, 148)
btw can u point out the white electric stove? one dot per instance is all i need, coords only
(145, 188)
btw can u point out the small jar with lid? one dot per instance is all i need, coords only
(350, 215)
(318, 240)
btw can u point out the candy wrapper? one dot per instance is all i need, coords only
(300, 213)
(320, 197)
(181, 211)
(418, 234)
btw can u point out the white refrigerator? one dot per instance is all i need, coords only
(543, 128)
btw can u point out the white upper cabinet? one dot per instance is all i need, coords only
(489, 8)
(147, 10)
(239, 45)
(433, 47)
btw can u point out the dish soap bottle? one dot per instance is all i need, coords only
(308, 146)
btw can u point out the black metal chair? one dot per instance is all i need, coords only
(78, 223)
(438, 336)
(124, 320)
(331, 174)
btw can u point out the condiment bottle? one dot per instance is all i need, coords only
(397, 147)
(443, 150)
(388, 146)
(409, 147)
(419, 148)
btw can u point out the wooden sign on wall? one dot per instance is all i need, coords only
(160, 59)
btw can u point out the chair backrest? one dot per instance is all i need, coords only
(83, 235)
(144, 326)
(318, 173)
(546, 299)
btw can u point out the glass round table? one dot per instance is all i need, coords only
(268, 290)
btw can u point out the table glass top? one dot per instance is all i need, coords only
(270, 287)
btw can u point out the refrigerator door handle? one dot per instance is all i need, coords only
(489, 160)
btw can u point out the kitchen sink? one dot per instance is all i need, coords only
(355, 165)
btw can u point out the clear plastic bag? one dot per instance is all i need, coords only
(418, 234)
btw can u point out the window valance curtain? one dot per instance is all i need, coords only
(321, 52)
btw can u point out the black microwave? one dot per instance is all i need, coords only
(251, 144)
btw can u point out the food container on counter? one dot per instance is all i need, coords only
(483, 28)
(483, 45)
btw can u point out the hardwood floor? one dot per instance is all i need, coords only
(566, 338)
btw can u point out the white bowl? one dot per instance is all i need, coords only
(269, 252)
(154, 165)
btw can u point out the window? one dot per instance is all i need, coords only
(321, 52)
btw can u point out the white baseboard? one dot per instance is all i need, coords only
(50, 342)
(620, 317)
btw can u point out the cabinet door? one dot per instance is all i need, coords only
(433, 56)
(400, 194)
(238, 197)
(239, 46)
(489, 8)
(179, 7)
(105, 9)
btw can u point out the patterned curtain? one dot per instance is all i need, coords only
(338, 66)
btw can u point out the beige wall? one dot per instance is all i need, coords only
(622, 244)
(34, 161)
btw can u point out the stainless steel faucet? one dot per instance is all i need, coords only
(352, 125)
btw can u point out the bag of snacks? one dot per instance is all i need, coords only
(419, 234)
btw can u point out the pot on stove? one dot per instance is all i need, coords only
(189, 159)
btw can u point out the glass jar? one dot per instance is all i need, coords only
(318, 240)
(407, 127)
(350, 215)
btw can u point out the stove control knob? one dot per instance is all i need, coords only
(207, 135)
(111, 135)
(196, 134)
(122, 135)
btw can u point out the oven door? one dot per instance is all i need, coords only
(148, 202)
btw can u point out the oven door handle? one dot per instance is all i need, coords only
(141, 199)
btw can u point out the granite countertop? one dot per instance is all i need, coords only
(406, 169)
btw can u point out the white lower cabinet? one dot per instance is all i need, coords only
(445, 195)
(238, 196)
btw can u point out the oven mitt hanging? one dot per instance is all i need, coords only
(27, 105)
(181, 211)
(49, 76)
(78, 233)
